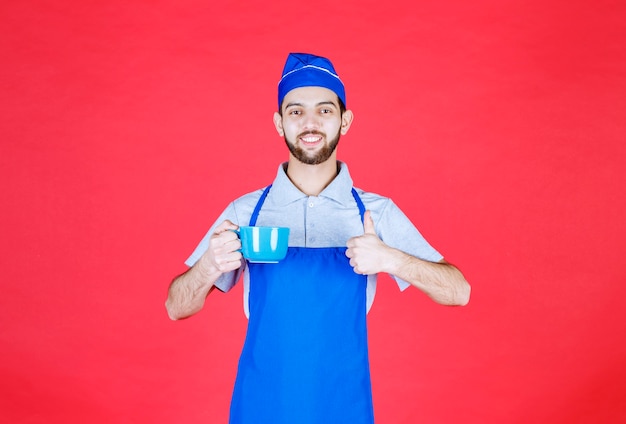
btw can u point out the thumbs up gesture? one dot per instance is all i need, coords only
(368, 224)
(367, 252)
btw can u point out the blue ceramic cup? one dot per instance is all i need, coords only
(264, 244)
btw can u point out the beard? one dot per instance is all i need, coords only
(321, 156)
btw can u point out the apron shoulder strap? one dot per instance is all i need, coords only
(258, 206)
(360, 204)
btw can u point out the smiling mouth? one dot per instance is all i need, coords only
(311, 138)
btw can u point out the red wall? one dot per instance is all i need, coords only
(498, 127)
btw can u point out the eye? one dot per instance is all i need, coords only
(295, 112)
(325, 111)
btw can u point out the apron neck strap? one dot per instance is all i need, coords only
(255, 213)
(360, 204)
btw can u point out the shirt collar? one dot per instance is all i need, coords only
(340, 189)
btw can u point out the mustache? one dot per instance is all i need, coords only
(306, 133)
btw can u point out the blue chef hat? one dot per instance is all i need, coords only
(307, 70)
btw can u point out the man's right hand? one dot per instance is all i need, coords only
(188, 291)
(224, 253)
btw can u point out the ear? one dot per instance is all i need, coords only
(346, 121)
(278, 123)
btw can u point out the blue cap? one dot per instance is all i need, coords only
(307, 70)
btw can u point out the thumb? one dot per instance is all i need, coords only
(368, 223)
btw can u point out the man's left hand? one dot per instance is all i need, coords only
(367, 252)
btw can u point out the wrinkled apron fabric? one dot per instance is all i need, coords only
(305, 357)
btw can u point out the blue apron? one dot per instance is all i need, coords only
(305, 357)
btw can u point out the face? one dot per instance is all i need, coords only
(312, 124)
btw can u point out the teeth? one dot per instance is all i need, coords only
(310, 139)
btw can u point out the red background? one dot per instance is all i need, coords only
(497, 126)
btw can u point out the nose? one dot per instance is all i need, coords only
(310, 122)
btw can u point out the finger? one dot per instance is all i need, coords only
(223, 242)
(225, 226)
(368, 223)
(229, 262)
(357, 270)
(235, 246)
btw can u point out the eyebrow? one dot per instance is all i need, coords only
(326, 102)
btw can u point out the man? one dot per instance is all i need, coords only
(305, 355)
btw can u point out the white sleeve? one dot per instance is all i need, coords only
(226, 281)
(397, 231)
